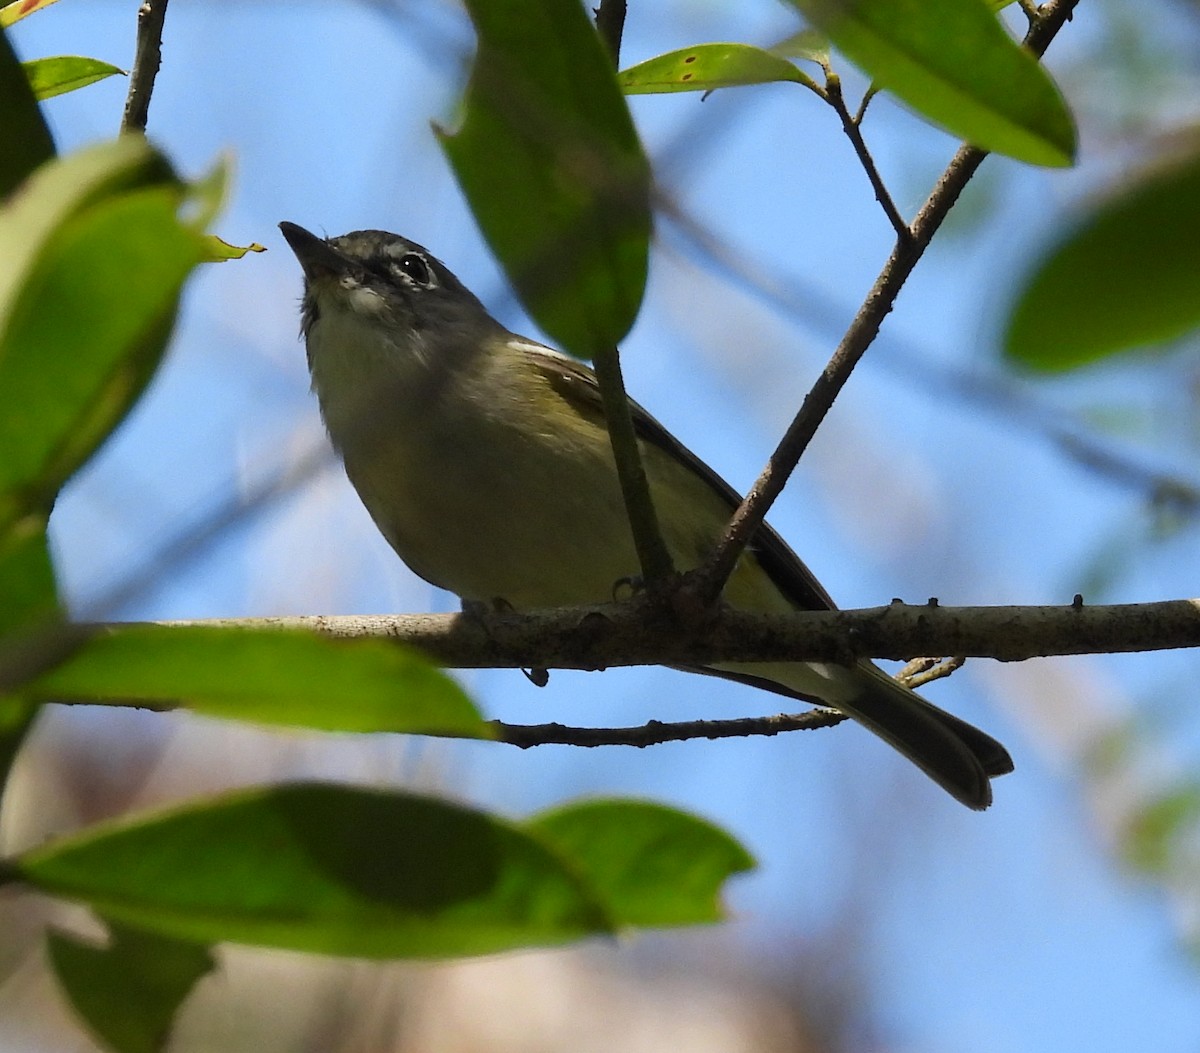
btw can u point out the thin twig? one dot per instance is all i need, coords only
(850, 125)
(868, 95)
(709, 580)
(1011, 405)
(934, 670)
(653, 557)
(656, 732)
(147, 59)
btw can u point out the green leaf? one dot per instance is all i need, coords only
(652, 864)
(953, 62)
(220, 250)
(325, 868)
(87, 302)
(807, 44)
(549, 160)
(1157, 830)
(129, 991)
(706, 67)
(56, 76)
(1126, 276)
(25, 140)
(266, 676)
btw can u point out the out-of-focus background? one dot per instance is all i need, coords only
(883, 916)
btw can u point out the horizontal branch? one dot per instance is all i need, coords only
(638, 633)
(657, 732)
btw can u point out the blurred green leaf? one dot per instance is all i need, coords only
(28, 602)
(56, 76)
(653, 865)
(16, 718)
(706, 67)
(1156, 829)
(953, 62)
(266, 676)
(323, 868)
(1126, 276)
(808, 44)
(87, 302)
(25, 140)
(129, 991)
(18, 9)
(28, 592)
(549, 160)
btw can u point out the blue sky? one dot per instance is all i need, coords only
(1007, 930)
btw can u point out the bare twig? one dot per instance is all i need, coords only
(707, 582)
(933, 670)
(656, 732)
(868, 95)
(653, 557)
(147, 59)
(1009, 403)
(850, 125)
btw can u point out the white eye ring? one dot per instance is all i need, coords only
(412, 266)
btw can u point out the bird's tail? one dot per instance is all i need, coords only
(956, 755)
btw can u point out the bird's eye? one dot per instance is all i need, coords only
(414, 268)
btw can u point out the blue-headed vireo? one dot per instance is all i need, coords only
(484, 459)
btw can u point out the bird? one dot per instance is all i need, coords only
(484, 459)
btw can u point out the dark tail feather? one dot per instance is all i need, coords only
(956, 755)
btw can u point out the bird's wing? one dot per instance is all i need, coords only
(576, 383)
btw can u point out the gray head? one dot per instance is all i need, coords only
(385, 324)
(381, 276)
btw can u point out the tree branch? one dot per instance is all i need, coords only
(147, 59)
(636, 632)
(706, 583)
(655, 731)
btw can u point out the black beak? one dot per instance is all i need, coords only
(316, 255)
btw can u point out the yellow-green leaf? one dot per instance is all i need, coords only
(56, 76)
(19, 9)
(707, 67)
